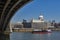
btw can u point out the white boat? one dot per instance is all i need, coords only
(49, 30)
(39, 31)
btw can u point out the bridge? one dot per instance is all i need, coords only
(7, 10)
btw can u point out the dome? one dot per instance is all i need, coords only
(41, 16)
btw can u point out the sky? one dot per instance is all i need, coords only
(50, 9)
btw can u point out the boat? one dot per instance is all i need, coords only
(41, 31)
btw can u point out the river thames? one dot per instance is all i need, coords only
(55, 35)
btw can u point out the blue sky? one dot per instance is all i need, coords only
(49, 8)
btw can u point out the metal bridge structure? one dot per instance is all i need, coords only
(7, 10)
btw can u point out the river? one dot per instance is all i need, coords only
(55, 35)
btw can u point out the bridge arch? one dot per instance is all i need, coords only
(8, 9)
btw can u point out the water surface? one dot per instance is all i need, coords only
(29, 36)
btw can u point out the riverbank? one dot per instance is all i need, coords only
(30, 30)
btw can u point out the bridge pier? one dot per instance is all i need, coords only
(4, 36)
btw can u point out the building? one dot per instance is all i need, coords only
(39, 23)
(26, 24)
(18, 25)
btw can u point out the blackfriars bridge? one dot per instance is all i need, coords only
(7, 10)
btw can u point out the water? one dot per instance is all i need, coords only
(29, 36)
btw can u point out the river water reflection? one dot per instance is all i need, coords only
(29, 36)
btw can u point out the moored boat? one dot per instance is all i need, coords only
(41, 31)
